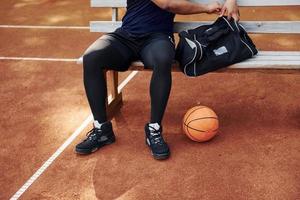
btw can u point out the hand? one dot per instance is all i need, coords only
(230, 9)
(213, 8)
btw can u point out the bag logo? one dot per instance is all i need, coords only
(220, 51)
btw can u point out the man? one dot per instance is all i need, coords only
(146, 34)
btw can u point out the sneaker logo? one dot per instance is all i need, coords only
(97, 124)
(156, 126)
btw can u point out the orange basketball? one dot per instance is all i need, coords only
(200, 123)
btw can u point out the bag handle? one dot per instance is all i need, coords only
(217, 30)
(217, 35)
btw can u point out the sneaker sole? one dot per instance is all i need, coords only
(88, 151)
(159, 156)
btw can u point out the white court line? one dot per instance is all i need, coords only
(43, 27)
(39, 59)
(86, 122)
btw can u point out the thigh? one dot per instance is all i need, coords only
(110, 52)
(158, 50)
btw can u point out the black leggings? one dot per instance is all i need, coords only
(116, 51)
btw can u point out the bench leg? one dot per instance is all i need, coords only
(116, 102)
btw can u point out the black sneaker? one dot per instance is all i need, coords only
(155, 141)
(96, 138)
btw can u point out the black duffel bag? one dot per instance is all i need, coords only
(211, 47)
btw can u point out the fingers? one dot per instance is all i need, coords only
(214, 7)
(218, 7)
(223, 11)
(217, 12)
(230, 10)
(229, 15)
(236, 17)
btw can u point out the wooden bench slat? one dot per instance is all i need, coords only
(122, 3)
(286, 27)
(264, 60)
(279, 53)
(250, 64)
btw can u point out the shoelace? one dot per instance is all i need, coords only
(156, 136)
(92, 135)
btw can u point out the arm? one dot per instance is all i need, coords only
(185, 7)
(231, 9)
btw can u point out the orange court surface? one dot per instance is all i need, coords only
(255, 155)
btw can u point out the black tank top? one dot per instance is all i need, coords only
(143, 16)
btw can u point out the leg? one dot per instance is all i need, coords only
(109, 54)
(159, 55)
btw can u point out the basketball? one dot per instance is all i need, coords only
(200, 123)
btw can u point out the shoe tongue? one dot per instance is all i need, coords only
(156, 126)
(97, 124)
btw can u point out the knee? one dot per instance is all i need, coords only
(89, 59)
(162, 63)
(90, 62)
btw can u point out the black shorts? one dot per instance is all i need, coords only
(121, 48)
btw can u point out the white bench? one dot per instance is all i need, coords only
(265, 60)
